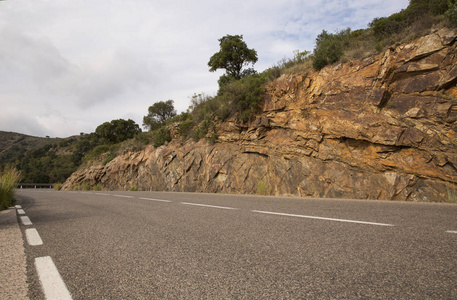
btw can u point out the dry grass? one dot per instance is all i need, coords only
(8, 179)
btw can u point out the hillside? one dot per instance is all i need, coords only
(379, 127)
(13, 145)
(40, 160)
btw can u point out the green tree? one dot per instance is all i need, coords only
(158, 113)
(233, 55)
(117, 131)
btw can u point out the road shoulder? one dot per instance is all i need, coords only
(13, 276)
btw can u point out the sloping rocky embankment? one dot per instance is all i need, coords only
(379, 128)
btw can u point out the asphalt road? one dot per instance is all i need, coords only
(130, 245)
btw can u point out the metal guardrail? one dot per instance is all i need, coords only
(34, 185)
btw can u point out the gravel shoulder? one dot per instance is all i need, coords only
(13, 278)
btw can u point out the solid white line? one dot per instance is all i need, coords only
(26, 221)
(123, 196)
(451, 231)
(321, 218)
(18, 206)
(205, 205)
(51, 282)
(103, 194)
(33, 238)
(20, 211)
(151, 199)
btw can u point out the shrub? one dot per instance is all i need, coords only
(329, 48)
(8, 179)
(451, 13)
(243, 97)
(451, 195)
(185, 128)
(57, 186)
(144, 137)
(96, 152)
(97, 188)
(86, 186)
(262, 188)
(111, 155)
(161, 136)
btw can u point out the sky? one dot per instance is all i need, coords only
(68, 66)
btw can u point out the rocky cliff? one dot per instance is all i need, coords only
(383, 127)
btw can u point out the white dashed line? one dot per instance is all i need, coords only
(26, 221)
(20, 211)
(123, 196)
(102, 194)
(205, 205)
(33, 238)
(321, 218)
(18, 206)
(51, 282)
(451, 231)
(152, 199)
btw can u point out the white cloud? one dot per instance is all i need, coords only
(68, 66)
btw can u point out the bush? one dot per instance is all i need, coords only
(111, 155)
(86, 186)
(97, 188)
(96, 152)
(57, 186)
(451, 13)
(144, 137)
(243, 97)
(262, 188)
(161, 136)
(8, 179)
(329, 48)
(185, 128)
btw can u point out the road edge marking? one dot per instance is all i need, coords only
(321, 218)
(26, 221)
(51, 282)
(20, 211)
(33, 238)
(451, 231)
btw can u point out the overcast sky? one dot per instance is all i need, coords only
(68, 66)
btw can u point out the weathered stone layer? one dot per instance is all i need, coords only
(380, 128)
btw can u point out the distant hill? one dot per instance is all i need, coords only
(13, 144)
(40, 160)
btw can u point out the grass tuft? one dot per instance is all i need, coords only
(8, 179)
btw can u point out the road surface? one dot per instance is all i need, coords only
(153, 245)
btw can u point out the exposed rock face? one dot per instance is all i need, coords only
(380, 128)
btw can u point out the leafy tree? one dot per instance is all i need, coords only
(117, 131)
(158, 113)
(233, 55)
